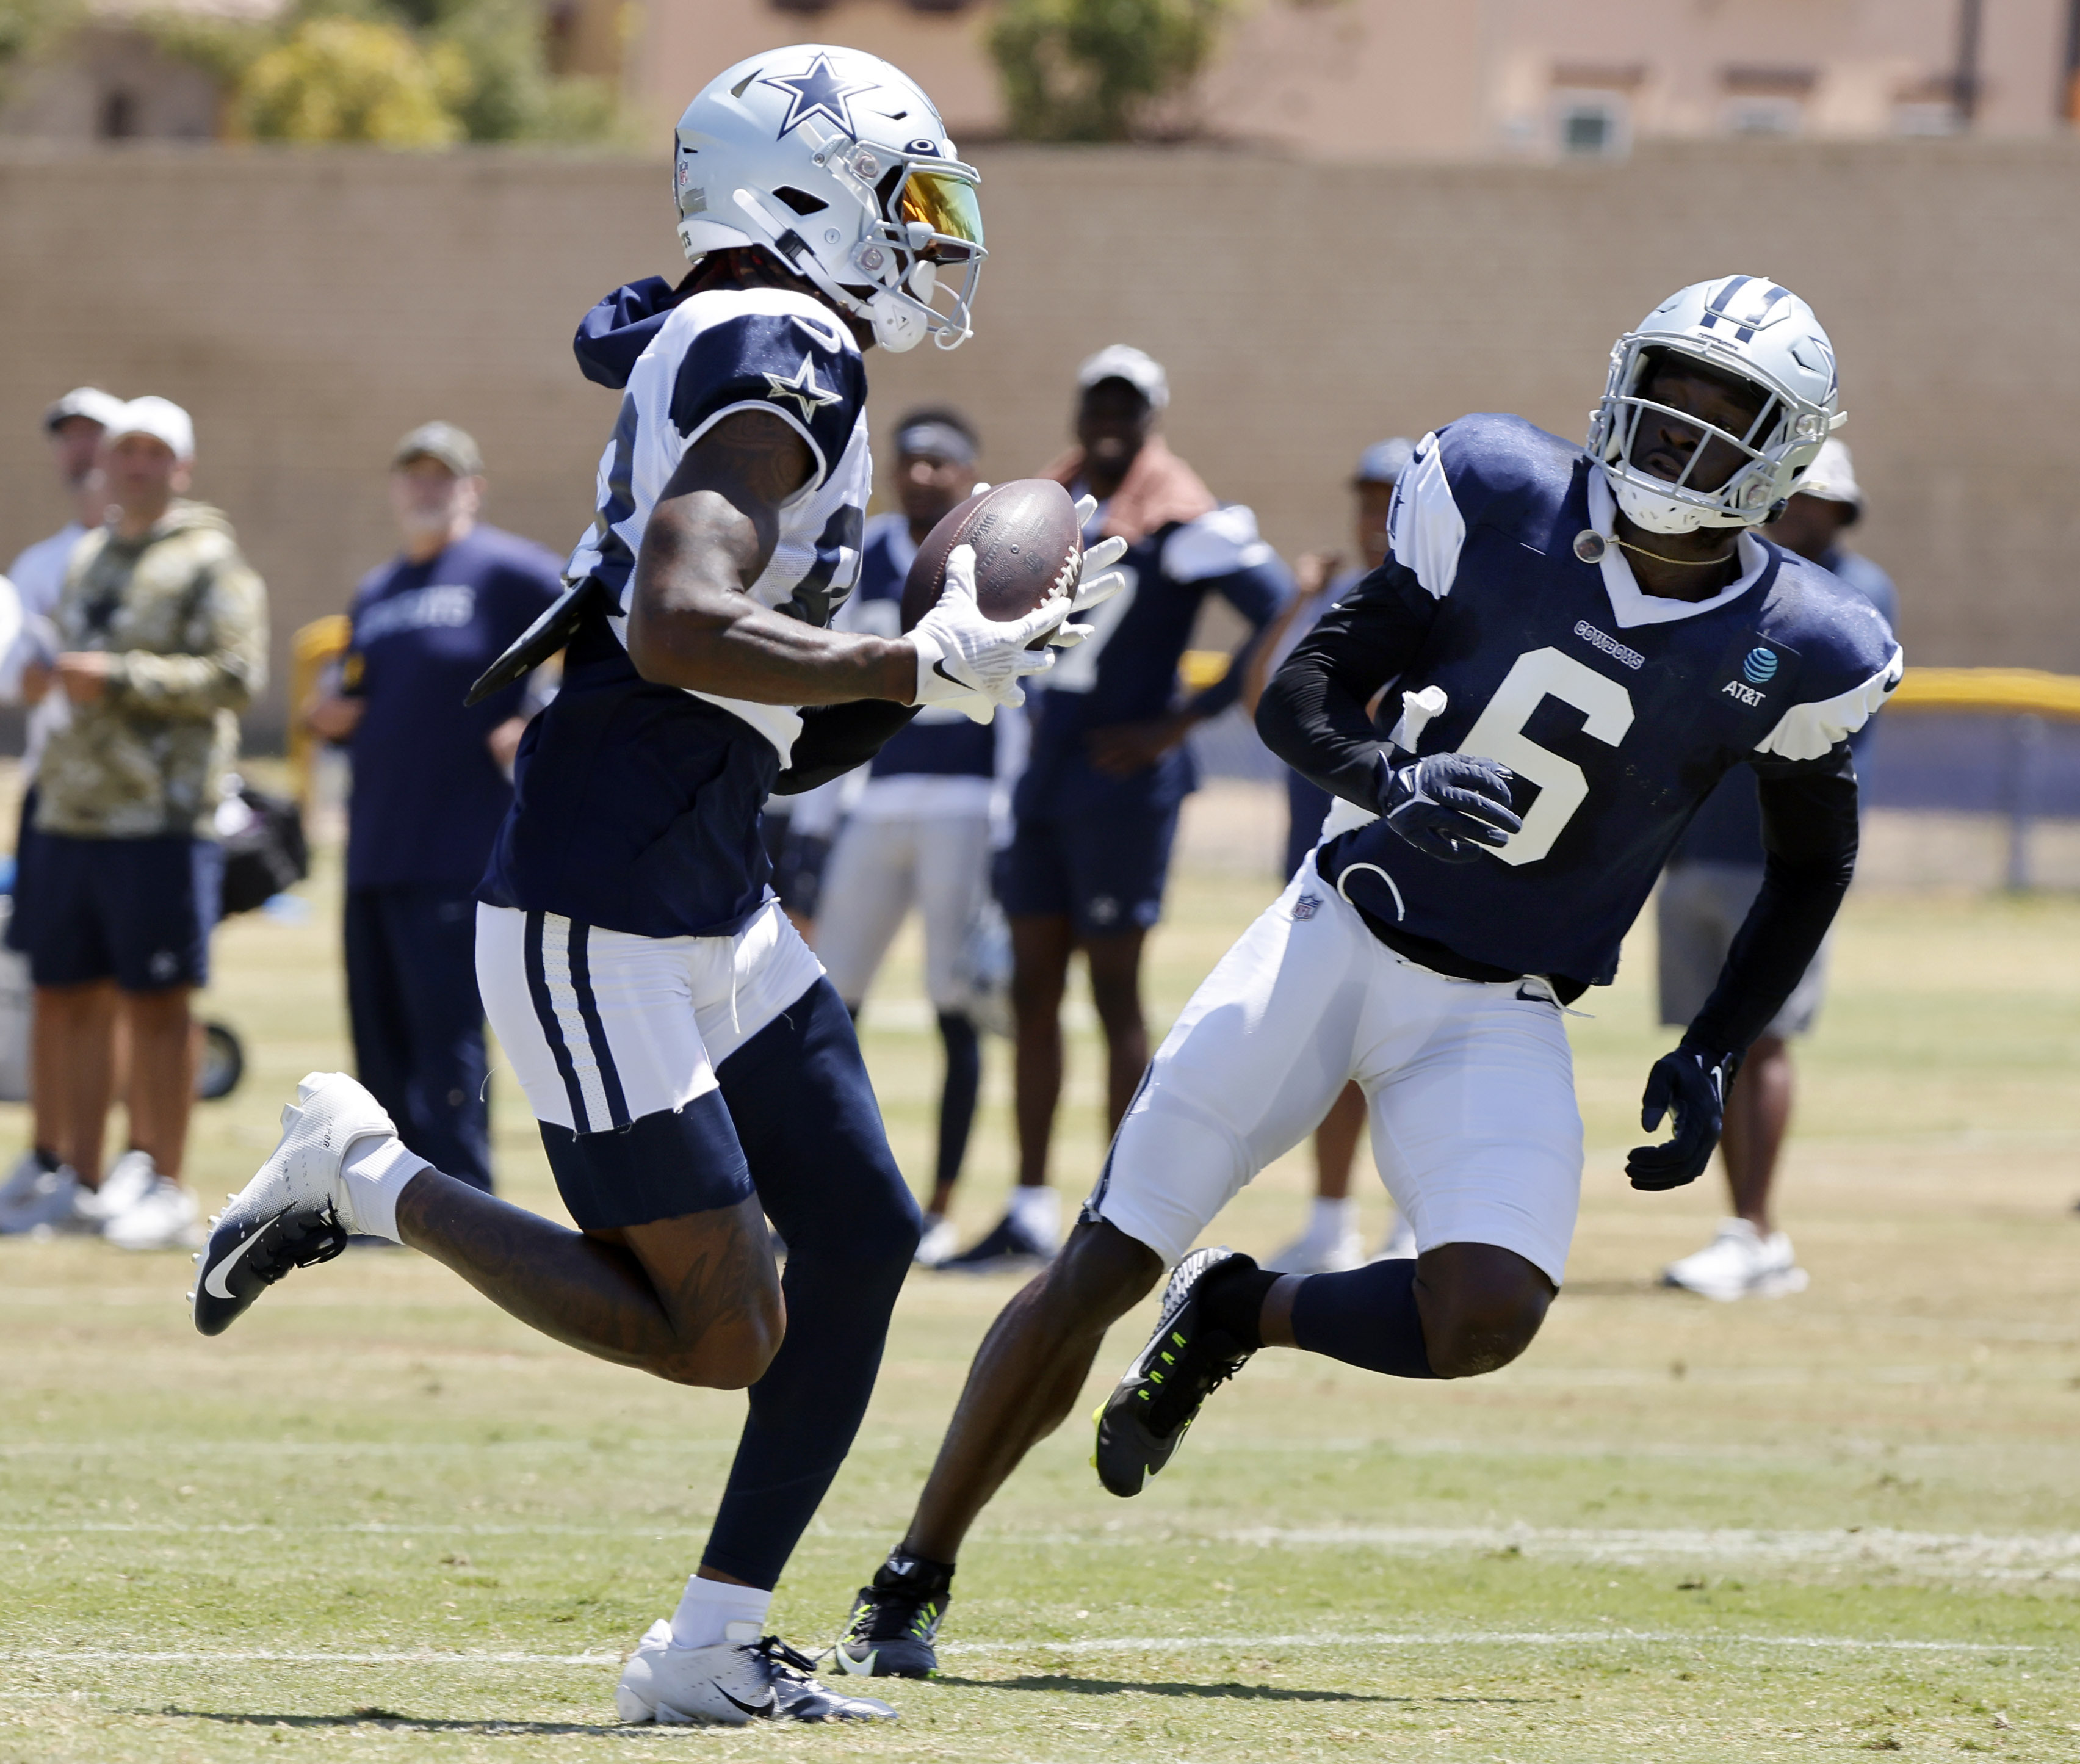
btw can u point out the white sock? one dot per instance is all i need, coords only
(1332, 1219)
(374, 1175)
(713, 1611)
(1038, 1212)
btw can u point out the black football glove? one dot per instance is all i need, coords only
(1450, 805)
(1693, 1082)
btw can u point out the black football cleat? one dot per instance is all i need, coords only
(895, 1621)
(1144, 1420)
(1007, 1248)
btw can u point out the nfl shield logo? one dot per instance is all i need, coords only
(1307, 906)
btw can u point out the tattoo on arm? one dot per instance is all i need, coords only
(692, 622)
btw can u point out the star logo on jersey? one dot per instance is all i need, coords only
(803, 389)
(819, 92)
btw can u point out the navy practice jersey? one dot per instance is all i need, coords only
(940, 740)
(1126, 670)
(1728, 828)
(428, 796)
(1618, 711)
(636, 805)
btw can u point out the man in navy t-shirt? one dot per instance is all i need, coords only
(432, 783)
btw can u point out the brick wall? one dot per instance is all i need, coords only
(310, 307)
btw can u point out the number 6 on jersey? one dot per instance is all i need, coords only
(1499, 734)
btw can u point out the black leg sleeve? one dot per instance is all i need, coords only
(798, 1094)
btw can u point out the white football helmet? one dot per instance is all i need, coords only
(1748, 326)
(839, 165)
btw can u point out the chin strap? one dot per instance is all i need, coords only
(1687, 562)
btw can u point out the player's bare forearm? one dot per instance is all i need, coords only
(691, 622)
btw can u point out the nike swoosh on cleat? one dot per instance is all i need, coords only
(861, 1668)
(213, 1281)
(754, 1709)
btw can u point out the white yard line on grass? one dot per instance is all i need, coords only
(2056, 1554)
(2021, 1556)
(1119, 1645)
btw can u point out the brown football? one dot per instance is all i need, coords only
(1025, 542)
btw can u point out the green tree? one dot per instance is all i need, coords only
(413, 74)
(1094, 69)
(28, 26)
(355, 79)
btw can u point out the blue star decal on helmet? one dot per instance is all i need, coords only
(818, 92)
(803, 389)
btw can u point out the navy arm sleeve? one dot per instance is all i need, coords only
(1809, 837)
(1312, 715)
(837, 737)
(1257, 594)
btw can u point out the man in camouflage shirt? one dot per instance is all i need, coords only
(161, 630)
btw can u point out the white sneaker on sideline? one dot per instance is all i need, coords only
(1740, 1262)
(295, 1212)
(129, 1179)
(1312, 1253)
(743, 1679)
(161, 1216)
(938, 1243)
(40, 1200)
(1400, 1244)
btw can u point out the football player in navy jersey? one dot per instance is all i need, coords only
(1583, 642)
(919, 830)
(1096, 809)
(690, 1069)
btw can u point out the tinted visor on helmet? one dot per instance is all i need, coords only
(946, 203)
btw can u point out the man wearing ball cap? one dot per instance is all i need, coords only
(161, 635)
(1094, 815)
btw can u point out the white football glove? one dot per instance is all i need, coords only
(1096, 581)
(972, 662)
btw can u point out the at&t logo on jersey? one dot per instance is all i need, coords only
(1758, 666)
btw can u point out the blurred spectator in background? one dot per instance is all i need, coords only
(1715, 873)
(162, 632)
(919, 832)
(1095, 813)
(42, 1189)
(432, 783)
(1331, 1243)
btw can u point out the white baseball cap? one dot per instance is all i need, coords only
(1123, 361)
(1832, 476)
(90, 402)
(161, 419)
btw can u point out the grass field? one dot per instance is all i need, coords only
(380, 1521)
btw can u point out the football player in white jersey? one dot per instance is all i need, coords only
(690, 1069)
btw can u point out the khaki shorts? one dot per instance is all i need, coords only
(1699, 909)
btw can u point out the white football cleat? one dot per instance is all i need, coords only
(37, 1199)
(161, 1216)
(296, 1212)
(1740, 1262)
(743, 1679)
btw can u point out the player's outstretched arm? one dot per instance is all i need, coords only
(1809, 833)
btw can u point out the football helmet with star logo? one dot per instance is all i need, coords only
(838, 164)
(1752, 329)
